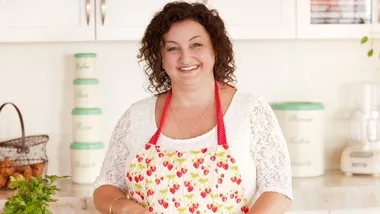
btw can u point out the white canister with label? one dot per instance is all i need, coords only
(85, 65)
(86, 125)
(86, 93)
(86, 161)
(302, 124)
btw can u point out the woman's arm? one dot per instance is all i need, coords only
(105, 195)
(111, 183)
(273, 169)
(271, 203)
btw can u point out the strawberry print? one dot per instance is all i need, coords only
(185, 182)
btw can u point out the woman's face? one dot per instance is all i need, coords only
(187, 53)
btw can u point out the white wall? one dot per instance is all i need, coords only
(38, 78)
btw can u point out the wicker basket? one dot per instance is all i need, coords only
(25, 155)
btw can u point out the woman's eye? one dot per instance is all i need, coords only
(172, 49)
(196, 45)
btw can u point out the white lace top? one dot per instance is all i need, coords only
(253, 135)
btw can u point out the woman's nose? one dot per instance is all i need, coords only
(185, 57)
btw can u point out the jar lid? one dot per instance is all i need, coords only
(298, 106)
(86, 111)
(86, 146)
(85, 55)
(85, 81)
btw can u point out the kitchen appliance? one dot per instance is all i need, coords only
(362, 153)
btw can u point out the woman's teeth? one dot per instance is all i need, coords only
(188, 68)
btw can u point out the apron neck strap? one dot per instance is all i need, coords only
(222, 140)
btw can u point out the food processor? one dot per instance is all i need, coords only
(362, 153)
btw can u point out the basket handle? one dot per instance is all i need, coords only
(23, 148)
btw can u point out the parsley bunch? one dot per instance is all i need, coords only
(32, 196)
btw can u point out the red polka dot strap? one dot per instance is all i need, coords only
(154, 138)
(219, 119)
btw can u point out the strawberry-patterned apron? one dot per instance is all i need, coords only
(201, 181)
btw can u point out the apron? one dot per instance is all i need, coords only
(200, 181)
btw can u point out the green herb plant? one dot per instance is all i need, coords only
(32, 195)
(365, 40)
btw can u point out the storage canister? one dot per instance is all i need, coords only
(86, 161)
(302, 124)
(85, 65)
(86, 125)
(86, 93)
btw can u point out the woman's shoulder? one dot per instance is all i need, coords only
(250, 101)
(143, 105)
(138, 108)
(247, 98)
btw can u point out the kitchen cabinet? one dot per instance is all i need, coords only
(47, 20)
(337, 19)
(124, 19)
(257, 19)
(356, 211)
(308, 212)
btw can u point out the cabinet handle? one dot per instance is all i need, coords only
(103, 9)
(88, 11)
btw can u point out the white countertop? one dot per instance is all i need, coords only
(330, 191)
(334, 190)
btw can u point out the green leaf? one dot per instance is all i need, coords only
(32, 195)
(370, 52)
(364, 40)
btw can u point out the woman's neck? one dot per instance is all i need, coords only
(192, 96)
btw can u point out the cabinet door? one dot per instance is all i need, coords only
(47, 20)
(309, 212)
(356, 211)
(257, 19)
(351, 19)
(124, 19)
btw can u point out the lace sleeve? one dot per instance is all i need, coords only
(112, 171)
(270, 152)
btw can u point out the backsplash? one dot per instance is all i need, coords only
(38, 78)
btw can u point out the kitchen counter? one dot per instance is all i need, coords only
(330, 191)
(334, 190)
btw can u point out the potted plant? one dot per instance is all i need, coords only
(32, 195)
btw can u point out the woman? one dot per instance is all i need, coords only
(198, 145)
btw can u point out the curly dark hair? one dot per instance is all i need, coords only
(151, 44)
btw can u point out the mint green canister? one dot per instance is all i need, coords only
(302, 124)
(86, 125)
(86, 161)
(85, 65)
(86, 93)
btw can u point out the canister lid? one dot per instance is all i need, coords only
(85, 55)
(86, 146)
(85, 81)
(86, 111)
(298, 106)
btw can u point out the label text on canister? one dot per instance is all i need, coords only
(83, 127)
(81, 66)
(301, 140)
(84, 165)
(81, 94)
(301, 163)
(298, 118)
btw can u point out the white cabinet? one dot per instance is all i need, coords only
(257, 19)
(356, 211)
(124, 19)
(309, 212)
(47, 20)
(335, 19)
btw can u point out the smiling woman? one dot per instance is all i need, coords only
(198, 145)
